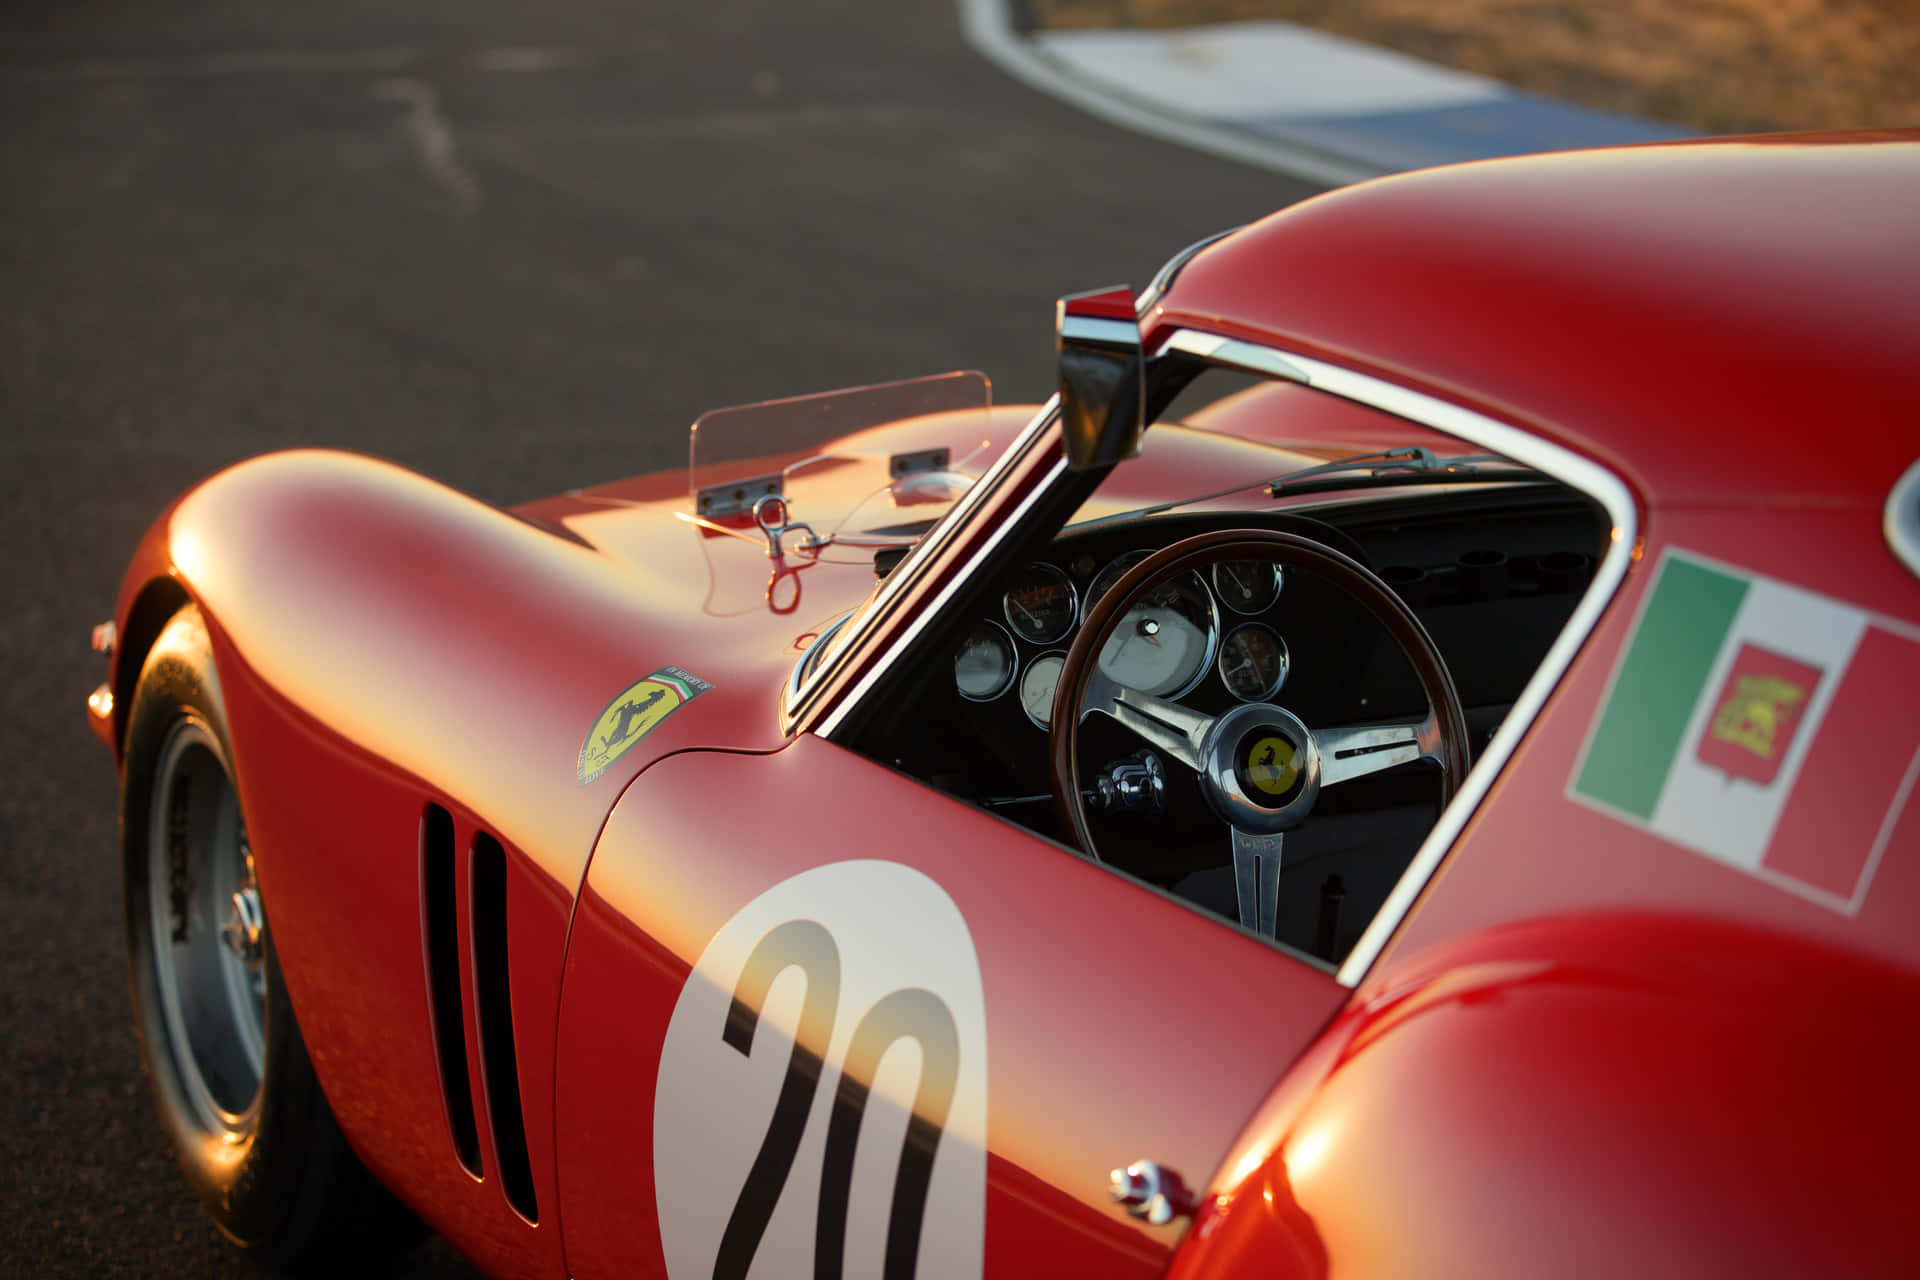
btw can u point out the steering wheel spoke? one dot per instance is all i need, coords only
(1256, 879)
(1166, 725)
(1358, 750)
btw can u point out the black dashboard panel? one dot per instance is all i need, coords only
(1493, 577)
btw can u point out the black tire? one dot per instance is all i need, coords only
(235, 1089)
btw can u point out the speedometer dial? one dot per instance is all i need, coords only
(1040, 605)
(1166, 639)
(1253, 662)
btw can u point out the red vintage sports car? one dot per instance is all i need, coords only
(1405, 767)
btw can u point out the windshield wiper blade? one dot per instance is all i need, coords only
(1410, 461)
(1414, 464)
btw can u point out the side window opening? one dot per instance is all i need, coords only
(1488, 556)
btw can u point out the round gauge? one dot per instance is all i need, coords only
(1036, 687)
(1247, 586)
(1040, 605)
(1253, 662)
(983, 664)
(1166, 639)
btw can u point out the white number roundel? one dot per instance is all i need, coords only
(822, 1104)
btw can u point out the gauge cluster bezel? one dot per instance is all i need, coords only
(1039, 660)
(1065, 580)
(1224, 620)
(1279, 681)
(1116, 568)
(1277, 578)
(1013, 662)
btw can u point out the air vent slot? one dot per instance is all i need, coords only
(441, 898)
(495, 1006)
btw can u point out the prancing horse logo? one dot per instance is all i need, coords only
(633, 715)
(627, 711)
(1273, 765)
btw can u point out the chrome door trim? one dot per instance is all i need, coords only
(1577, 472)
(955, 581)
(799, 695)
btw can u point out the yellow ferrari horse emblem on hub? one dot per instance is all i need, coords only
(1273, 765)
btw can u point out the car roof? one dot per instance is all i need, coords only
(1726, 319)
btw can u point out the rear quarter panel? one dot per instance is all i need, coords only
(1620, 1095)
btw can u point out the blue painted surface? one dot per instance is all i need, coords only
(1517, 124)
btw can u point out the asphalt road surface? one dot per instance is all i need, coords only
(518, 247)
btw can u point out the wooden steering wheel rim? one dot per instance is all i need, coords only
(1292, 551)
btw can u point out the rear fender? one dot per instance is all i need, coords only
(1621, 1095)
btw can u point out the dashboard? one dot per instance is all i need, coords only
(1492, 577)
(1164, 645)
(1493, 573)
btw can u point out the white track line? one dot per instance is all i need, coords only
(987, 29)
(241, 62)
(432, 137)
(390, 59)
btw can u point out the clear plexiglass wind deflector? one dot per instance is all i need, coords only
(879, 459)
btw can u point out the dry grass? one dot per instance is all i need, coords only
(1722, 66)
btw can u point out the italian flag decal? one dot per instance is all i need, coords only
(1770, 728)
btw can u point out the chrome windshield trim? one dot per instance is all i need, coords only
(1235, 354)
(803, 665)
(955, 581)
(1119, 333)
(1163, 278)
(798, 695)
(1903, 518)
(1579, 473)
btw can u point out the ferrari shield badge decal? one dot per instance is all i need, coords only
(823, 1086)
(1767, 727)
(633, 715)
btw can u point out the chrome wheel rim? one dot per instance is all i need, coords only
(208, 933)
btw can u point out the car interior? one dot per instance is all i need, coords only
(1488, 555)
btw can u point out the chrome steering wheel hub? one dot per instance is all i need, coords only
(1260, 769)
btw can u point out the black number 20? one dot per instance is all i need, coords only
(913, 1013)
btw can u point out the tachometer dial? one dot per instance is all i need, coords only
(983, 664)
(1247, 586)
(1166, 639)
(1253, 662)
(1040, 605)
(1037, 686)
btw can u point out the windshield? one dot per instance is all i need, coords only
(1230, 444)
(867, 467)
